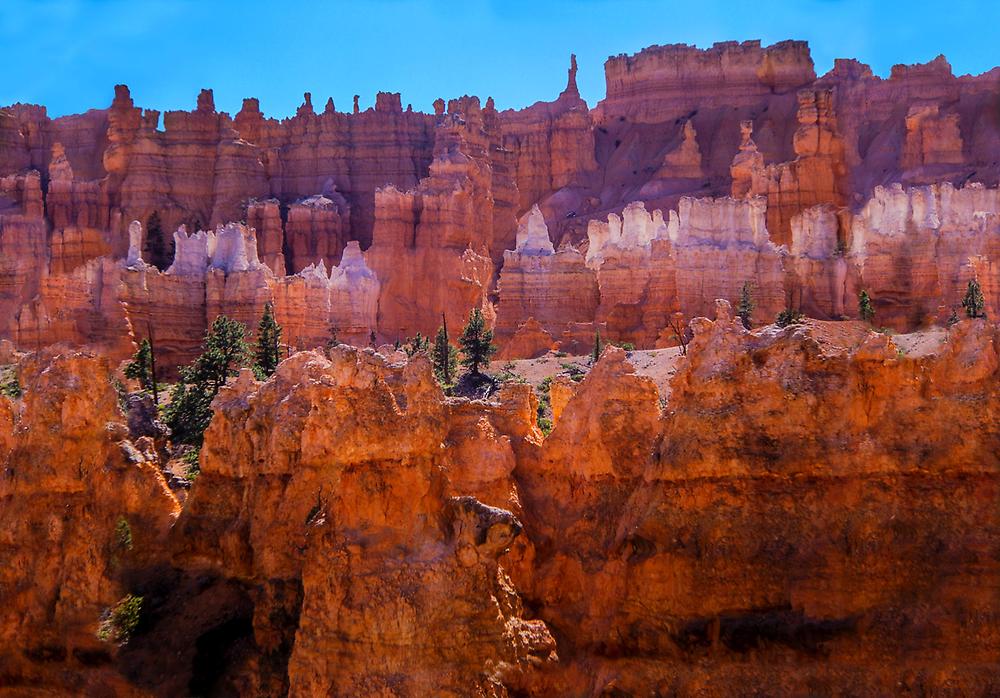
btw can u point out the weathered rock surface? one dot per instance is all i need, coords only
(813, 509)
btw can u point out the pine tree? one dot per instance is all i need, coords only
(444, 356)
(268, 351)
(595, 354)
(745, 308)
(372, 339)
(476, 342)
(140, 368)
(974, 302)
(224, 351)
(865, 308)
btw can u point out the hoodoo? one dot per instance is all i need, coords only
(692, 391)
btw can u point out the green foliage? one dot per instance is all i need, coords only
(744, 309)
(123, 534)
(627, 346)
(865, 308)
(417, 345)
(542, 417)
(121, 393)
(476, 342)
(121, 620)
(192, 464)
(576, 373)
(974, 302)
(787, 317)
(140, 368)
(507, 374)
(267, 354)
(595, 353)
(9, 384)
(953, 318)
(372, 339)
(223, 352)
(444, 356)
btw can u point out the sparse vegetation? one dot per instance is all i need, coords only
(595, 354)
(224, 351)
(444, 356)
(575, 372)
(476, 342)
(417, 345)
(865, 308)
(746, 305)
(676, 323)
(192, 464)
(267, 354)
(953, 318)
(543, 414)
(626, 346)
(121, 620)
(788, 316)
(974, 302)
(142, 368)
(123, 534)
(9, 383)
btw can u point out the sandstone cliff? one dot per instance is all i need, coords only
(791, 519)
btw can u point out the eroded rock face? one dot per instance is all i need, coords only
(776, 524)
(82, 508)
(433, 200)
(367, 576)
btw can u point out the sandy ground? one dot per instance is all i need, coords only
(658, 364)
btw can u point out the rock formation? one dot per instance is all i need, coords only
(433, 200)
(352, 530)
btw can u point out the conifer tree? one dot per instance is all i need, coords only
(476, 342)
(268, 351)
(595, 353)
(745, 308)
(224, 351)
(865, 308)
(974, 302)
(140, 367)
(444, 356)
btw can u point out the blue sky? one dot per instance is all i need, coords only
(68, 54)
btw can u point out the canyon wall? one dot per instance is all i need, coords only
(433, 201)
(790, 519)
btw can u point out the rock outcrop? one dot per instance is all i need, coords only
(354, 531)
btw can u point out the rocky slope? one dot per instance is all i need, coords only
(838, 182)
(810, 510)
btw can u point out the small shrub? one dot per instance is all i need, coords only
(974, 302)
(545, 425)
(953, 318)
(865, 308)
(121, 620)
(192, 464)
(9, 384)
(627, 346)
(787, 317)
(123, 534)
(575, 372)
